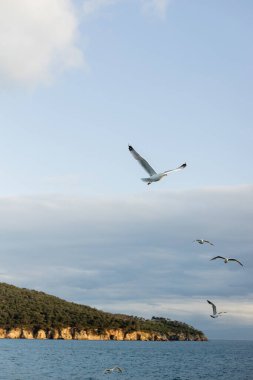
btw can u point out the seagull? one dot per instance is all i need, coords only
(154, 177)
(226, 259)
(215, 314)
(202, 241)
(114, 369)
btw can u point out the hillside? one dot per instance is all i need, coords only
(29, 313)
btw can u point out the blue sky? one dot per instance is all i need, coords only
(78, 83)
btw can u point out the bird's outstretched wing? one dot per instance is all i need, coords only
(142, 161)
(179, 168)
(236, 261)
(207, 241)
(213, 306)
(218, 257)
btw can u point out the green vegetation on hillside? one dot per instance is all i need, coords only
(37, 310)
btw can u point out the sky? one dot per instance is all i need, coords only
(79, 81)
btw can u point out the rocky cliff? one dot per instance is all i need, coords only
(68, 333)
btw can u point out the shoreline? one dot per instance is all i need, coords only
(70, 333)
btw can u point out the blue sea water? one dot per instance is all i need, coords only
(86, 360)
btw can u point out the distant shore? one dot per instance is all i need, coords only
(30, 314)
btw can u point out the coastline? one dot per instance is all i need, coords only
(69, 333)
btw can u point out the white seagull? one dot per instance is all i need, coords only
(226, 259)
(202, 241)
(154, 177)
(215, 314)
(114, 369)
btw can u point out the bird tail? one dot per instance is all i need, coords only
(145, 179)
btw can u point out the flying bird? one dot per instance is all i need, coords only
(114, 369)
(202, 241)
(226, 259)
(153, 175)
(215, 314)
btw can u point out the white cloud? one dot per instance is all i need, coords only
(37, 38)
(158, 7)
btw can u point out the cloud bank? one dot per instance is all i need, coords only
(136, 255)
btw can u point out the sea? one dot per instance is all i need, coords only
(87, 360)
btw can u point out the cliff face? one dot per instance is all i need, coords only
(68, 333)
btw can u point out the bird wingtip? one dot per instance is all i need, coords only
(130, 147)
